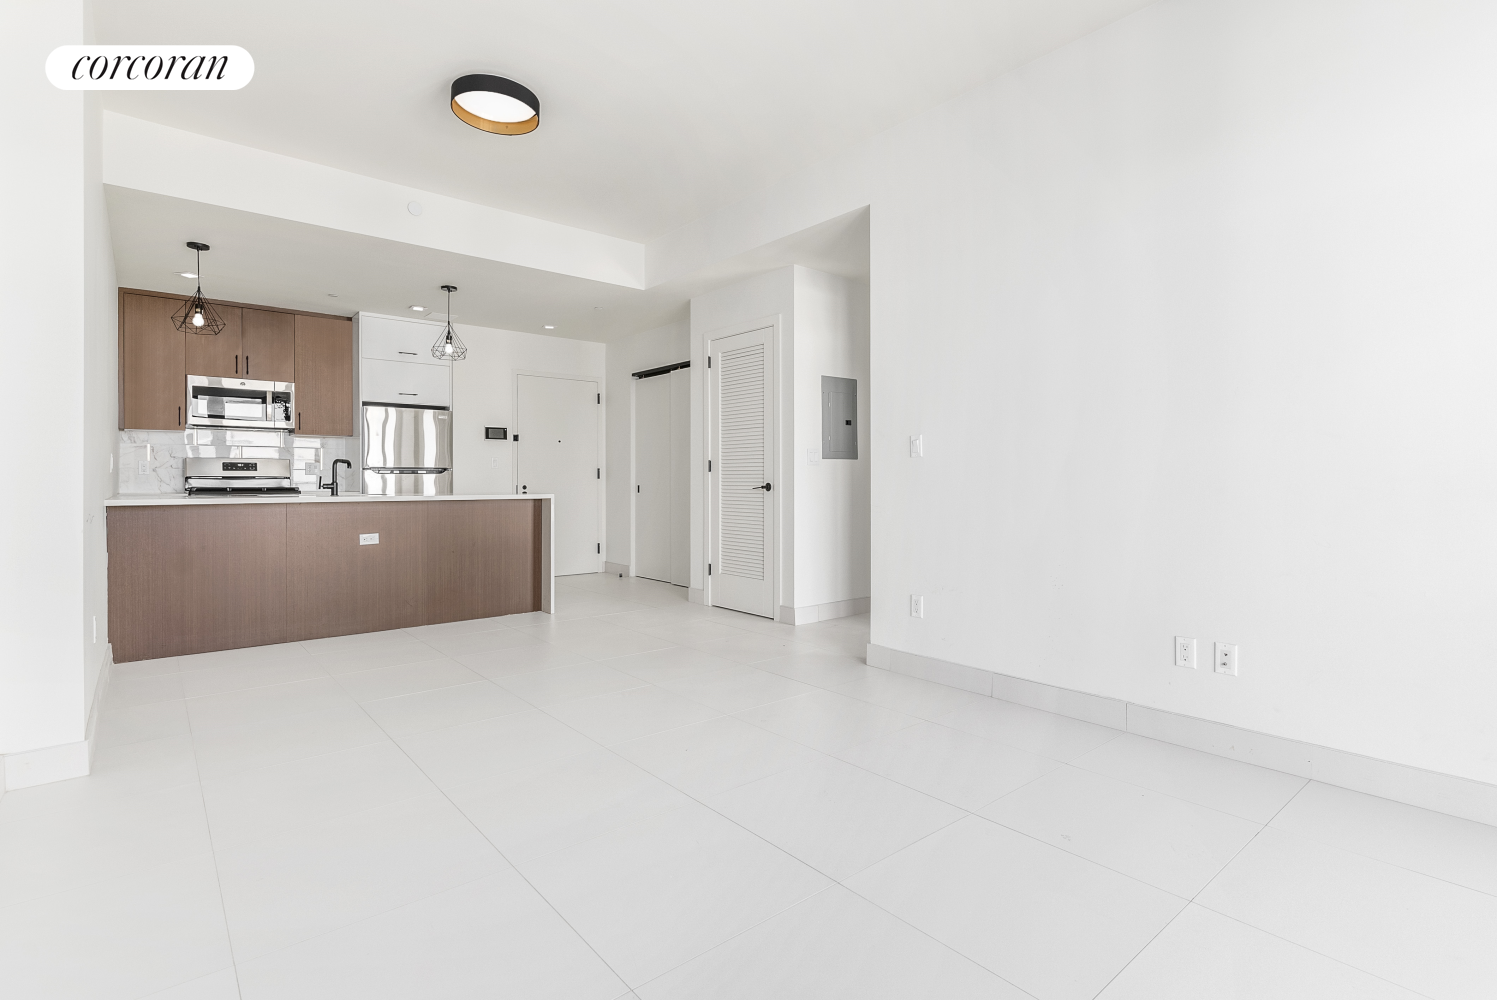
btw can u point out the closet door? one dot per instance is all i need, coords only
(652, 471)
(742, 504)
(681, 477)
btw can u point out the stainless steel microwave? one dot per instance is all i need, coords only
(240, 402)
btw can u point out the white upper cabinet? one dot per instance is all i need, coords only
(400, 384)
(384, 338)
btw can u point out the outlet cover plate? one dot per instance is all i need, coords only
(1226, 658)
(917, 606)
(1185, 652)
(371, 539)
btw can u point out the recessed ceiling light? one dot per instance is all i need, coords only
(496, 105)
(186, 274)
(550, 327)
(418, 309)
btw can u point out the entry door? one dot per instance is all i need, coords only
(652, 469)
(741, 448)
(557, 453)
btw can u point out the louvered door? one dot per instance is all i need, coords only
(740, 384)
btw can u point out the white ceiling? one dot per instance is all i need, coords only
(653, 111)
(269, 261)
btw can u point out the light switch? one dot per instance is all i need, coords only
(371, 539)
(813, 456)
(917, 446)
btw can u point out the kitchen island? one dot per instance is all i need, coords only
(195, 574)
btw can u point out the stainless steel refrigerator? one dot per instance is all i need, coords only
(407, 451)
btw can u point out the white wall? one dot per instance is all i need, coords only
(1195, 317)
(831, 507)
(665, 345)
(483, 395)
(56, 273)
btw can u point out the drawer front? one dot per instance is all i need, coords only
(392, 340)
(403, 384)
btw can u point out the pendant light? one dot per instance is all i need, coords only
(496, 105)
(196, 314)
(449, 347)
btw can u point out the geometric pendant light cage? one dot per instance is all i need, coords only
(197, 314)
(449, 346)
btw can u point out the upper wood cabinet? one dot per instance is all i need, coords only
(153, 373)
(324, 375)
(215, 354)
(268, 344)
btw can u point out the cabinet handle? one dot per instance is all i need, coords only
(236, 365)
(408, 394)
(298, 420)
(179, 416)
(411, 353)
(246, 364)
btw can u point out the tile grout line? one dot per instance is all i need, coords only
(1189, 902)
(223, 908)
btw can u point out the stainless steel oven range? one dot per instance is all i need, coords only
(240, 402)
(266, 477)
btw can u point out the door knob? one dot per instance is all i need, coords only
(766, 487)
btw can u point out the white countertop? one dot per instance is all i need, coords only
(179, 499)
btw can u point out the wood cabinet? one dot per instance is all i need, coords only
(267, 341)
(274, 345)
(216, 354)
(153, 372)
(187, 578)
(324, 375)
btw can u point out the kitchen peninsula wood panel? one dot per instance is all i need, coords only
(153, 370)
(485, 559)
(190, 580)
(324, 375)
(187, 578)
(339, 587)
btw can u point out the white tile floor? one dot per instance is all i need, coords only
(646, 798)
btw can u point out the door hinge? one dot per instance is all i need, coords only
(709, 569)
(709, 465)
(636, 489)
(600, 473)
(600, 399)
(600, 548)
(709, 361)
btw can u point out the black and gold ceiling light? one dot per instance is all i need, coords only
(197, 315)
(495, 104)
(449, 347)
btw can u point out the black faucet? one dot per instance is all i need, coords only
(333, 483)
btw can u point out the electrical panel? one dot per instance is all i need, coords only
(839, 417)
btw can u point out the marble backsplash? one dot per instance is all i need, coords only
(151, 461)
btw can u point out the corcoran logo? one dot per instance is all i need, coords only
(150, 67)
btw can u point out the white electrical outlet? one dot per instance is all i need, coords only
(1185, 652)
(1226, 658)
(144, 468)
(372, 539)
(917, 446)
(917, 606)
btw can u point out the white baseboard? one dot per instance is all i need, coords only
(67, 760)
(616, 569)
(696, 595)
(812, 613)
(39, 767)
(1446, 793)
